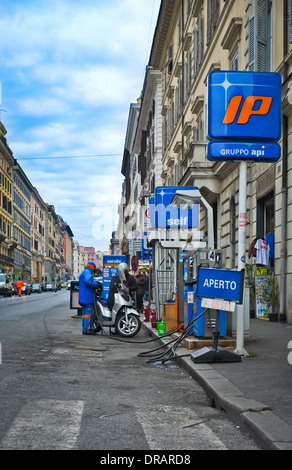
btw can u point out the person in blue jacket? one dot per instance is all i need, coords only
(87, 286)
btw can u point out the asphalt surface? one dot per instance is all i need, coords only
(256, 392)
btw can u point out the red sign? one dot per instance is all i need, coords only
(134, 263)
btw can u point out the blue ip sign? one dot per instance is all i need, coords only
(220, 284)
(244, 107)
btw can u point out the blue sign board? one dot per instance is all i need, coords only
(257, 152)
(164, 215)
(110, 269)
(220, 284)
(244, 106)
(146, 253)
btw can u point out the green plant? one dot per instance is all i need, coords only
(250, 276)
(271, 294)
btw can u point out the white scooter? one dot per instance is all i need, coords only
(123, 316)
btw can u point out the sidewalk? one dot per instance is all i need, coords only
(255, 393)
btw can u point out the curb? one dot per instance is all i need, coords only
(268, 430)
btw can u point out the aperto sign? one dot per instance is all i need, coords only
(220, 284)
(244, 116)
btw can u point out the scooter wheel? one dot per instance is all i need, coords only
(128, 325)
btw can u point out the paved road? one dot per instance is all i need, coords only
(60, 389)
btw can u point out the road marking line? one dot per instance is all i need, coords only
(168, 428)
(45, 425)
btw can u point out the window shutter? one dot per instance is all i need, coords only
(200, 40)
(290, 21)
(169, 59)
(251, 44)
(195, 53)
(262, 35)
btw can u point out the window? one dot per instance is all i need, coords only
(265, 215)
(198, 45)
(213, 15)
(234, 62)
(169, 59)
(259, 37)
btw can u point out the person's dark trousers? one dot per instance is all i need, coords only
(139, 302)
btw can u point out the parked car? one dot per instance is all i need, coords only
(68, 284)
(26, 289)
(36, 287)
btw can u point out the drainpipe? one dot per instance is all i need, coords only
(283, 255)
(179, 288)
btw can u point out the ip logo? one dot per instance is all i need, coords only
(244, 106)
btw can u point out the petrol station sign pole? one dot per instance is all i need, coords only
(245, 126)
(241, 255)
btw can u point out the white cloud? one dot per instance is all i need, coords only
(69, 71)
(42, 107)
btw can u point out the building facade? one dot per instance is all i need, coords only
(38, 217)
(36, 245)
(7, 242)
(193, 38)
(22, 222)
(68, 250)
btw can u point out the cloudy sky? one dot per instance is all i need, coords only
(69, 71)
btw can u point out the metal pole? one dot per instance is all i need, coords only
(241, 255)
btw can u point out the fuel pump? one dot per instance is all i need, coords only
(206, 323)
(190, 279)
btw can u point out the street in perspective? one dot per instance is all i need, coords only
(145, 300)
(61, 390)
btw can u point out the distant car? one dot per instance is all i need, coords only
(26, 289)
(50, 286)
(6, 285)
(36, 287)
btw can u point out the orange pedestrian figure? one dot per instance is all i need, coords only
(19, 285)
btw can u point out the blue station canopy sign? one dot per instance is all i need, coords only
(244, 108)
(165, 215)
(220, 284)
